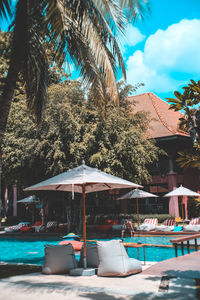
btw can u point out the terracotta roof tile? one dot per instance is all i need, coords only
(164, 121)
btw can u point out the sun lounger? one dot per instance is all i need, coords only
(194, 225)
(148, 225)
(33, 228)
(168, 225)
(114, 260)
(51, 225)
(16, 228)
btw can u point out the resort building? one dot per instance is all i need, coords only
(166, 174)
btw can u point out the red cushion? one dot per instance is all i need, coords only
(27, 229)
(38, 223)
(77, 245)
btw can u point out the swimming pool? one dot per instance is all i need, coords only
(13, 250)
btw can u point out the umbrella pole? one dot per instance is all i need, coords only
(182, 212)
(138, 212)
(84, 231)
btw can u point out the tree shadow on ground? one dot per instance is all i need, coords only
(180, 289)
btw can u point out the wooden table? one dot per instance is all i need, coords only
(135, 245)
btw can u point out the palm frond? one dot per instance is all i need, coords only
(84, 18)
(28, 54)
(135, 8)
(5, 8)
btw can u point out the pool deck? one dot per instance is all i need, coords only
(35, 235)
(179, 282)
(186, 266)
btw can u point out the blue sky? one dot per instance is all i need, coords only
(162, 51)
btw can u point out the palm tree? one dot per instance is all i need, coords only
(80, 31)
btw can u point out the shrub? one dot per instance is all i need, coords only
(100, 219)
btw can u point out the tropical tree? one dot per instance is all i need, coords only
(80, 31)
(189, 102)
(72, 129)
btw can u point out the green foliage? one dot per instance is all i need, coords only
(101, 219)
(189, 102)
(72, 129)
(190, 158)
(186, 102)
(194, 207)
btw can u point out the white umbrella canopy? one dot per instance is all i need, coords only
(93, 180)
(136, 194)
(182, 191)
(30, 199)
(83, 179)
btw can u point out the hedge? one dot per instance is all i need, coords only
(101, 219)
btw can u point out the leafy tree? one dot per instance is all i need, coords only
(72, 129)
(188, 101)
(80, 31)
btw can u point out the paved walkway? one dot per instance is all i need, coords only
(187, 266)
(37, 286)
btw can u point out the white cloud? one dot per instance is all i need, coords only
(166, 53)
(132, 37)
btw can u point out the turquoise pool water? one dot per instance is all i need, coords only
(32, 251)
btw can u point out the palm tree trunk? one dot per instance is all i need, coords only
(5, 103)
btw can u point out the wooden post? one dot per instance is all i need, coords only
(182, 211)
(144, 255)
(138, 213)
(15, 199)
(182, 248)
(138, 257)
(188, 246)
(84, 231)
(196, 247)
(175, 247)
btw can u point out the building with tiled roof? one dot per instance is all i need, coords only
(164, 122)
(166, 174)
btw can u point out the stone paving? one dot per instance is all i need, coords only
(37, 286)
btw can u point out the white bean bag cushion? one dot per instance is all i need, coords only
(194, 228)
(91, 256)
(114, 260)
(146, 227)
(164, 228)
(59, 259)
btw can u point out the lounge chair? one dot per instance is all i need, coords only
(33, 228)
(148, 225)
(194, 225)
(168, 225)
(51, 225)
(114, 260)
(16, 228)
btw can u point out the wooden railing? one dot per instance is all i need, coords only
(180, 242)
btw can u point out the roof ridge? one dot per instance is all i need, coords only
(155, 105)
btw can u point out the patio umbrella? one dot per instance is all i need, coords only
(182, 192)
(83, 179)
(136, 194)
(30, 200)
